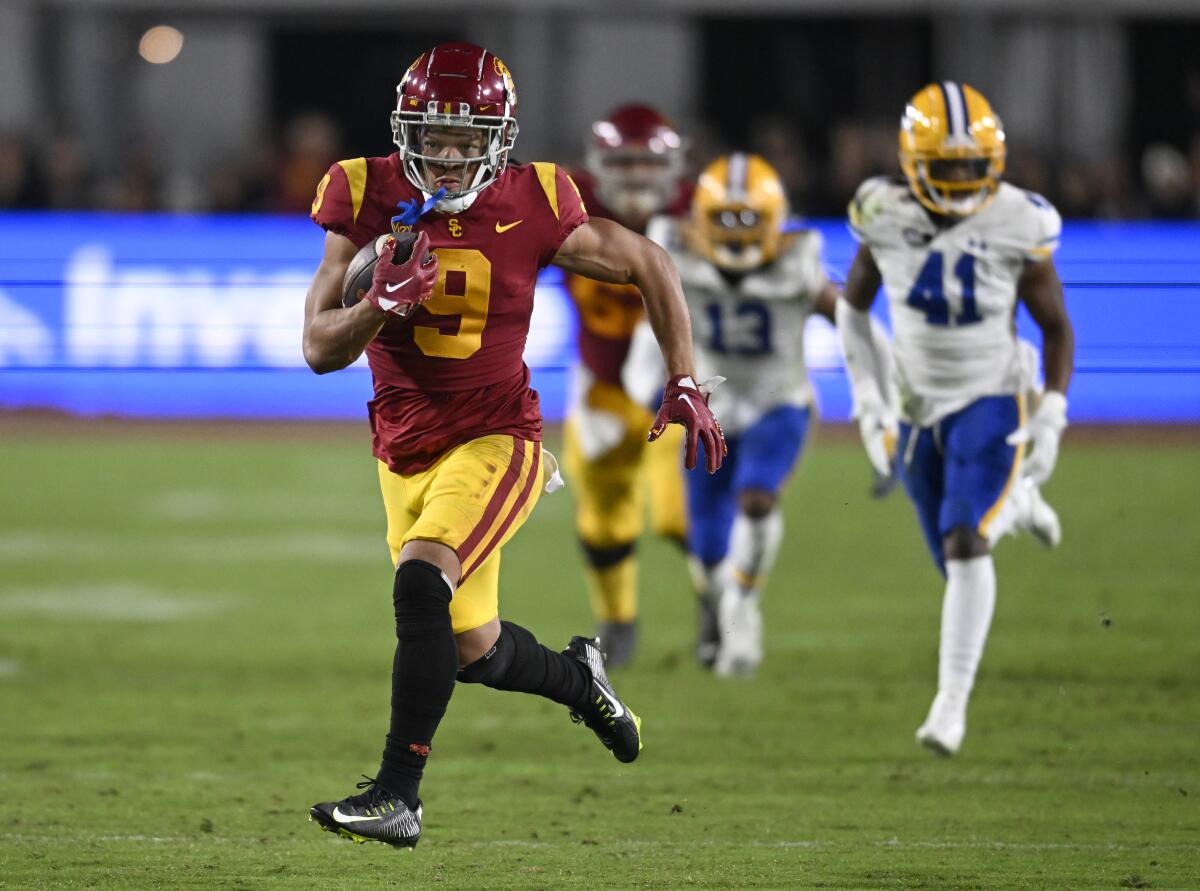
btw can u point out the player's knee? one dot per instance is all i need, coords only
(604, 557)
(756, 503)
(492, 667)
(421, 599)
(963, 543)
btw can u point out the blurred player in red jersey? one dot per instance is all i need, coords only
(634, 164)
(457, 430)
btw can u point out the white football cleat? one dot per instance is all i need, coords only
(944, 728)
(1038, 517)
(1025, 510)
(741, 650)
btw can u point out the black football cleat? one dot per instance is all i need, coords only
(374, 815)
(610, 719)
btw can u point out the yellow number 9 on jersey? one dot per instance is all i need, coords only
(475, 276)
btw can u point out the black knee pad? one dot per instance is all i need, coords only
(603, 558)
(421, 599)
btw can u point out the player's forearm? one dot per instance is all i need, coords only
(658, 280)
(862, 280)
(1058, 350)
(643, 373)
(868, 358)
(335, 338)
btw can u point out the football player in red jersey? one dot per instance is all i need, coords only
(457, 430)
(634, 164)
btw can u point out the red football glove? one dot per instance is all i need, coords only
(685, 403)
(398, 287)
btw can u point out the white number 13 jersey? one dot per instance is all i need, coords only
(750, 331)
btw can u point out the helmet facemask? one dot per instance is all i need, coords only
(738, 238)
(954, 185)
(634, 183)
(473, 171)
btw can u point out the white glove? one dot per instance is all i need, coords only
(1042, 431)
(878, 429)
(869, 365)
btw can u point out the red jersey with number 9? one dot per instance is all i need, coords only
(454, 370)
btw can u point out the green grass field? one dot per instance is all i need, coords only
(196, 633)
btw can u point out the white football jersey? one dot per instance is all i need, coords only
(952, 291)
(750, 331)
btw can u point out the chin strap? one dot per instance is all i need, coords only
(412, 210)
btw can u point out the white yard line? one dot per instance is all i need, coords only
(199, 546)
(111, 601)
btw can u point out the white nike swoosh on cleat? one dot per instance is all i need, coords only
(392, 289)
(618, 709)
(347, 818)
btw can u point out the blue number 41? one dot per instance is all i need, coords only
(927, 293)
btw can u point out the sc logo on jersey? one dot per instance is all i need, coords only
(455, 227)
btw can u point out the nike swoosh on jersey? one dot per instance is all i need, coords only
(507, 226)
(618, 710)
(392, 289)
(348, 818)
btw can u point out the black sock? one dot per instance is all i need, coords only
(518, 662)
(422, 674)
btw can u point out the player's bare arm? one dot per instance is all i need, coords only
(335, 337)
(1041, 290)
(825, 303)
(607, 251)
(863, 280)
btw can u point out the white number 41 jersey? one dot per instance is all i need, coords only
(952, 291)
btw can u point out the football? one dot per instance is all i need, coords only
(362, 268)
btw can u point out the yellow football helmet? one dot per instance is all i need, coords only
(951, 148)
(738, 211)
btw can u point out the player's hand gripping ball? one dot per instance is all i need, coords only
(394, 273)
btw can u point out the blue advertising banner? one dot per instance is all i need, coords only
(169, 316)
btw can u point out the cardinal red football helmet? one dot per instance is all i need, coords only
(457, 85)
(636, 156)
